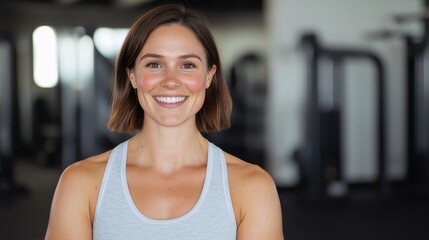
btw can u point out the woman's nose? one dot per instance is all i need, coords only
(171, 79)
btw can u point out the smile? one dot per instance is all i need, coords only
(170, 99)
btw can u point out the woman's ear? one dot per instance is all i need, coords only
(132, 78)
(210, 74)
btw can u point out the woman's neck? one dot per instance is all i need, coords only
(168, 148)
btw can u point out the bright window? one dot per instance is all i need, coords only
(45, 59)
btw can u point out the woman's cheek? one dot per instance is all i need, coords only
(148, 80)
(195, 82)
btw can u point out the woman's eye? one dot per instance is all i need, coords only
(188, 66)
(153, 65)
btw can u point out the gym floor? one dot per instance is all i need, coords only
(362, 216)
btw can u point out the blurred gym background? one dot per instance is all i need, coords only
(331, 97)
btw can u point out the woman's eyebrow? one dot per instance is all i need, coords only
(190, 56)
(154, 55)
(151, 55)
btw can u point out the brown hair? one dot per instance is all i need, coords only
(127, 114)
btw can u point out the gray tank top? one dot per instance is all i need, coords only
(117, 217)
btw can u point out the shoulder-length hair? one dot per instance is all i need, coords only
(126, 114)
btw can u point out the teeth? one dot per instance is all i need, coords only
(170, 99)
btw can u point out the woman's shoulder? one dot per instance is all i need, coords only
(78, 185)
(243, 172)
(89, 164)
(81, 181)
(248, 182)
(255, 200)
(87, 170)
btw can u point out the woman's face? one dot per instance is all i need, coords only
(171, 76)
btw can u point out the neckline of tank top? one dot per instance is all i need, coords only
(188, 214)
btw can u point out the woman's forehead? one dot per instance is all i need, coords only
(173, 40)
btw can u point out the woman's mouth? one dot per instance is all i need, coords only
(170, 99)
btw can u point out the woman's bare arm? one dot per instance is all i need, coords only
(256, 203)
(70, 214)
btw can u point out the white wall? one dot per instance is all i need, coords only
(343, 23)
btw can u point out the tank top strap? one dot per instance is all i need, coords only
(111, 174)
(220, 182)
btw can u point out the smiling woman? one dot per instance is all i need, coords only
(215, 113)
(167, 181)
(173, 71)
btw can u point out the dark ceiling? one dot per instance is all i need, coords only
(26, 14)
(203, 5)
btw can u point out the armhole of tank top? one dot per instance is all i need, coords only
(225, 183)
(104, 183)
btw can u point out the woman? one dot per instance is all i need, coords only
(168, 181)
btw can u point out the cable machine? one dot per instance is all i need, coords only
(320, 157)
(8, 185)
(417, 87)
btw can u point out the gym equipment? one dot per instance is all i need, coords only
(8, 185)
(320, 156)
(417, 87)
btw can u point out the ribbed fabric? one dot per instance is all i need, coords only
(117, 217)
